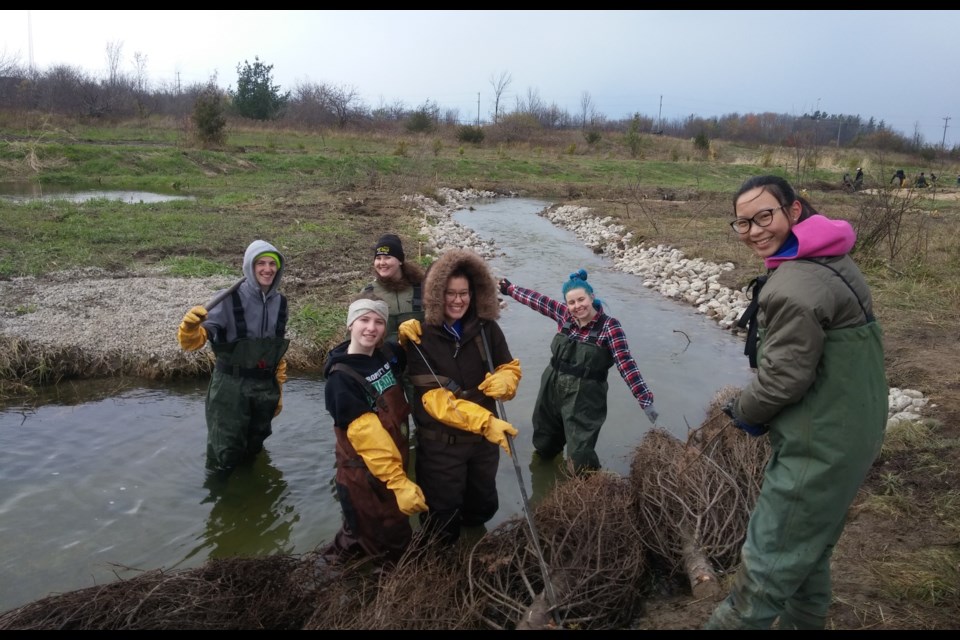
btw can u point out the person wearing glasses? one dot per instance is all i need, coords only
(460, 366)
(820, 396)
(571, 405)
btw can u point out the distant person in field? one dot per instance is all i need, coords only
(921, 182)
(899, 175)
(858, 180)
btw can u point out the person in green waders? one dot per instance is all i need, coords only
(820, 395)
(247, 335)
(571, 405)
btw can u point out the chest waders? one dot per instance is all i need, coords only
(243, 392)
(822, 448)
(372, 522)
(571, 405)
(395, 318)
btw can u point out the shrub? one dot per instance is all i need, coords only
(701, 142)
(208, 116)
(467, 133)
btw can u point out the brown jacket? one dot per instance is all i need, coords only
(460, 360)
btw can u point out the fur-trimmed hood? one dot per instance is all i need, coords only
(483, 301)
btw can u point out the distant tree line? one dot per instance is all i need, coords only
(70, 91)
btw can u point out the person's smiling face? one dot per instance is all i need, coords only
(580, 304)
(265, 269)
(387, 267)
(367, 331)
(456, 299)
(771, 222)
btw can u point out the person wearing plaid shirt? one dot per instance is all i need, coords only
(571, 404)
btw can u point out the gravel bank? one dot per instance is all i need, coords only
(131, 319)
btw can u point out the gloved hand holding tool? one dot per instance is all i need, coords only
(504, 285)
(191, 335)
(409, 331)
(442, 405)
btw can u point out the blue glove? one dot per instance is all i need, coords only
(755, 430)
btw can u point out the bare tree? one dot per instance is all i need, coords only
(499, 85)
(9, 64)
(587, 110)
(114, 51)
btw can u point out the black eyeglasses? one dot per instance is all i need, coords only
(761, 219)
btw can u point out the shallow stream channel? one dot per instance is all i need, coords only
(104, 480)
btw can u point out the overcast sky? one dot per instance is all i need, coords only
(899, 66)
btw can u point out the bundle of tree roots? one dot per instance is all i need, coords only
(605, 543)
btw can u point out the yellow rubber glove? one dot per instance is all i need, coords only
(382, 458)
(281, 378)
(497, 432)
(502, 383)
(442, 405)
(409, 331)
(190, 334)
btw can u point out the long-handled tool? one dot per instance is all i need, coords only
(534, 536)
(220, 297)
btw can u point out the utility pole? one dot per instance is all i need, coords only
(30, 40)
(943, 143)
(659, 118)
(478, 109)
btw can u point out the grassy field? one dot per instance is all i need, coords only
(324, 196)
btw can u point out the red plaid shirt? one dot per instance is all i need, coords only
(611, 337)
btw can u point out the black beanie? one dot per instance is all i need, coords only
(389, 245)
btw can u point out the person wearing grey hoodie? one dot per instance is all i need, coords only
(247, 335)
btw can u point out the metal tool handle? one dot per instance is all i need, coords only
(535, 537)
(220, 297)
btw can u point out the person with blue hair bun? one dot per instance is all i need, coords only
(571, 404)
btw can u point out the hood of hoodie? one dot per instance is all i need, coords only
(253, 250)
(337, 354)
(483, 303)
(815, 237)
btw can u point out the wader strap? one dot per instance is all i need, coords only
(427, 381)
(869, 316)
(417, 299)
(460, 437)
(375, 397)
(238, 318)
(748, 320)
(282, 317)
(593, 337)
(241, 321)
(243, 372)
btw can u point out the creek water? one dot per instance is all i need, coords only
(102, 480)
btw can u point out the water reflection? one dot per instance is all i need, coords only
(250, 513)
(22, 192)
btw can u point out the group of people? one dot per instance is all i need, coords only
(426, 345)
(919, 182)
(856, 184)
